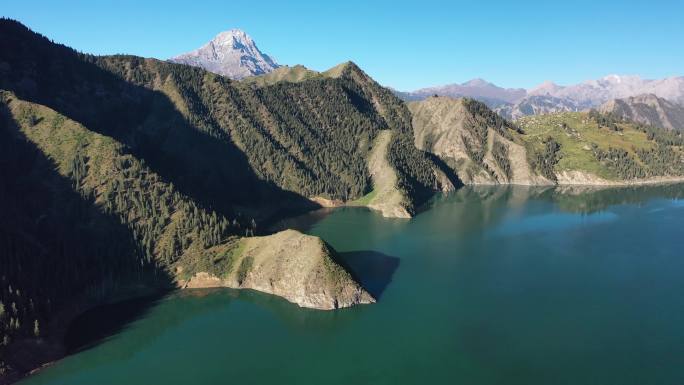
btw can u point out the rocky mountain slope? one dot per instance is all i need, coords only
(231, 53)
(480, 146)
(562, 148)
(647, 109)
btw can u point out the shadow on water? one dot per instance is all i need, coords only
(96, 326)
(101, 322)
(304, 222)
(588, 199)
(59, 246)
(373, 270)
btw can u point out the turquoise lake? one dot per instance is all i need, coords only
(504, 285)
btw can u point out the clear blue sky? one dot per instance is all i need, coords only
(405, 45)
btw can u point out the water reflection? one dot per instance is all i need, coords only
(573, 199)
(552, 222)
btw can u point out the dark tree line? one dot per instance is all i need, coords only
(607, 120)
(658, 161)
(545, 161)
(620, 162)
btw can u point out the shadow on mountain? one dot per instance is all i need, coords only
(371, 269)
(448, 171)
(57, 247)
(193, 152)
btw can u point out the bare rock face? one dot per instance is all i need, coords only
(647, 109)
(292, 265)
(231, 53)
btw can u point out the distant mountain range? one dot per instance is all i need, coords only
(231, 53)
(647, 109)
(477, 89)
(549, 97)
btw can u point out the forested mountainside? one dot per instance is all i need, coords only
(83, 219)
(120, 171)
(562, 148)
(227, 144)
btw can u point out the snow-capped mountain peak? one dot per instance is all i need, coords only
(231, 53)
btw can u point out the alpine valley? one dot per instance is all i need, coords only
(123, 176)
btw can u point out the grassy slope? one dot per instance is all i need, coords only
(294, 74)
(63, 140)
(301, 268)
(576, 139)
(385, 197)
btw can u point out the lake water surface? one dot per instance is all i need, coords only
(486, 286)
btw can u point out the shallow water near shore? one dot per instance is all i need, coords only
(497, 285)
